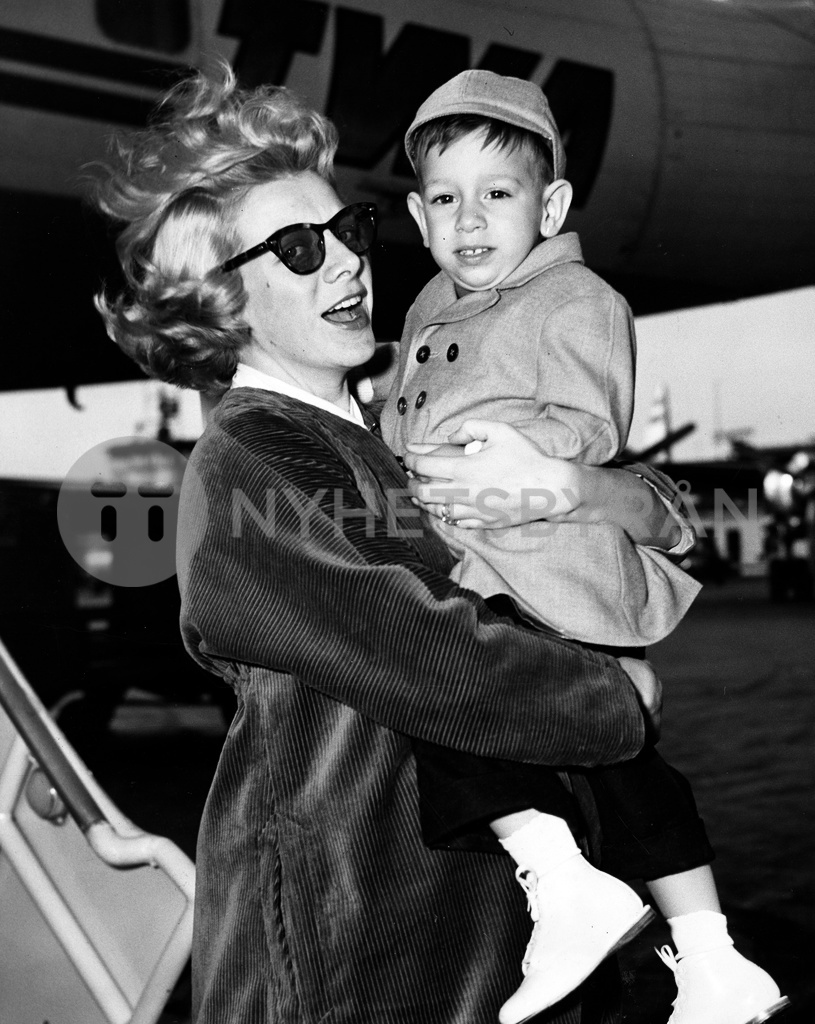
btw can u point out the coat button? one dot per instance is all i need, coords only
(423, 354)
(452, 353)
(401, 405)
(420, 399)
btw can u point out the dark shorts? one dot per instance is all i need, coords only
(648, 822)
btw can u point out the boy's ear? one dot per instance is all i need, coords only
(557, 198)
(416, 207)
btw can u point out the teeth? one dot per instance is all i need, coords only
(472, 252)
(347, 303)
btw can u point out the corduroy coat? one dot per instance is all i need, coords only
(315, 589)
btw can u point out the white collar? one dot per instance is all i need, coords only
(249, 377)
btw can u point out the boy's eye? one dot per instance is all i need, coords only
(443, 199)
(497, 193)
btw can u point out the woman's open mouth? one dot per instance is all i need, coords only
(348, 312)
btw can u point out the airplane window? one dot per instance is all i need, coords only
(152, 24)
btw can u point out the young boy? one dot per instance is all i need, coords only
(516, 328)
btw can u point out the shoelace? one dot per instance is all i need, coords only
(528, 881)
(668, 957)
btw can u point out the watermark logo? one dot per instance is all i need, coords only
(118, 510)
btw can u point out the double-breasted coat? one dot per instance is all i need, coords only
(314, 588)
(550, 350)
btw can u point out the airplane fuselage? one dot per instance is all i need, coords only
(687, 123)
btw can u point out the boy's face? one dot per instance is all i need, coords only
(480, 211)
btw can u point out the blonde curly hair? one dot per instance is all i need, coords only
(174, 187)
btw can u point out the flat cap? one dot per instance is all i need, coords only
(513, 100)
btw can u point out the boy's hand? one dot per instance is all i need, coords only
(649, 691)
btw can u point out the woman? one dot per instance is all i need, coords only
(310, 584)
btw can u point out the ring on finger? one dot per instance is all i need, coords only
(445, 513)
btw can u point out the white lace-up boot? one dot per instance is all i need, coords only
(720, 986)
(581, 916)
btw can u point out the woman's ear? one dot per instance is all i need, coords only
(416, 207)
(557, 198)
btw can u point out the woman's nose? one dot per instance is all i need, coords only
(339, 259)
(470, 216)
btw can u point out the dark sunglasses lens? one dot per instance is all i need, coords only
(302, 250)
(356, 229)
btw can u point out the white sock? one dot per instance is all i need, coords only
(699, 932)
(541, 844)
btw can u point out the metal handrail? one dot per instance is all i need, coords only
(31, 719)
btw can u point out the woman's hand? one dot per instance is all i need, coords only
(505, 479)
(649, 690)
